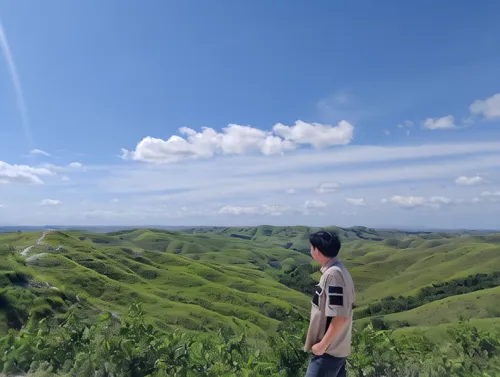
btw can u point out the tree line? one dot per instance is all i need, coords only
(438, 291)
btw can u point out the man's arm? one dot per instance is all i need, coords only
(333, 331)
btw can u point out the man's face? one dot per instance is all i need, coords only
(315, 254)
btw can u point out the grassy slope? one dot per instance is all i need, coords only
(223, 277)
(385, 263)
(174, 274)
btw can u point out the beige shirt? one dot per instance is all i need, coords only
(334, 297)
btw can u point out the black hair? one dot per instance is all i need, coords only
(327, 243)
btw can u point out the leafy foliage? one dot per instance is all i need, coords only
(131, 347)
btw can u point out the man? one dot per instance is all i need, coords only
(330, 327)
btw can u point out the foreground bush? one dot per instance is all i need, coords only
(110, 347)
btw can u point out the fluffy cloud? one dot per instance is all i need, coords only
(236, 140)
(21, 173)
(488, 108)
(443, 123)
(409, 202)
(328, 187)
(469, 181)
(360, 202)
(75, 165)
(39, 152)
(50, 202)
(316, 134)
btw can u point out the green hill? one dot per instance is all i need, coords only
(191, 281)
(252, 280)
(241, 279)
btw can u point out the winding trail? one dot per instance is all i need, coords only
(39, 242)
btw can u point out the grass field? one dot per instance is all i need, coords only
(211, 278)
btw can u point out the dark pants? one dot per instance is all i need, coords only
(326, 366)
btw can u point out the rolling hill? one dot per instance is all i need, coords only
(203, 279)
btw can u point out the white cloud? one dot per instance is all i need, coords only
(21, 174)
(406, 124)
(65, 178)
(291, 191)
(488, 108)
(115, 200)
(39, 152)
(236, 140)
(405, 201)
(2, 205)
(469, 181)
(50, 202)
(267, 210)
(316, 134)
(491, 195)
(314, 207)
(438, 201)
(75, 165)
(310, 204)
(410, 202)
(59, 169)
(387, 133)
(328, 187)
(360, 202)
(443, 123)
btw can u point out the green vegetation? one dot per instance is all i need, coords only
(300, 278)
(239, 292)
(111, 270)
(428, 294)
(131, 347)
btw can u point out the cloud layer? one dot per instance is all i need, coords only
(237, 140)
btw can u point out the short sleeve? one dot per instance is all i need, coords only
(338, 296)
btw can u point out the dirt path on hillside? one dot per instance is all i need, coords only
(39, 242)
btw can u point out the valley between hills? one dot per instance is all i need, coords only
(248, 280)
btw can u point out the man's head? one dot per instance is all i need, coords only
(324, 246)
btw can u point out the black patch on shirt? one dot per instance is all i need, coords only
(328, 321)
(334, 289)
(317, 293)
(336, 300)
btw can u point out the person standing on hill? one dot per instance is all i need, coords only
(330, 327)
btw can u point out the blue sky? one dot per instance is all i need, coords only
(250, 112)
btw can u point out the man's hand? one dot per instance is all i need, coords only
(319, 349)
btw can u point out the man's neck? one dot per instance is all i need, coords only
(327, 263)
